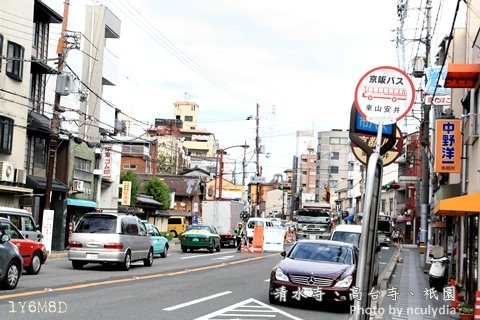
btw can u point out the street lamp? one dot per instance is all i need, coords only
(222, 151)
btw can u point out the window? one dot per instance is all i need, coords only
(6, 135)
(335, 155)
(129, 166)
(15, 60)
(39, 153)
(29, 224)
(338, 140)
(188, 118)
(82, 164)
(333, 169)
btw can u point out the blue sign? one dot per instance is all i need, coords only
(361, 124)
(432, 79)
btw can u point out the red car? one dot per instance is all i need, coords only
(33, 253)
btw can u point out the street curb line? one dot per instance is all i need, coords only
(385, 277)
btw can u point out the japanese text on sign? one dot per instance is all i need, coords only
(448, 145)
(384, 95)
(126, 193)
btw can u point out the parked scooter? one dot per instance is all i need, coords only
(438, 274)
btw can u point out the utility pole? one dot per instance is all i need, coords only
(257, 153)
(244, 163)
(52, 151)
(425, 183)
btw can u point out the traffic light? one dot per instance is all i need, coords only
(391, 186)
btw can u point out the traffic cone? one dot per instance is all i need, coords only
(242, 247)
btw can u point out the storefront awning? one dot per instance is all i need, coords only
(36, 182)
(459, 206)
(461, 75)
(81, 203)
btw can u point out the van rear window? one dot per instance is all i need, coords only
(174, 221)
(97, 224)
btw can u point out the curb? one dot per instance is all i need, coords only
(385, 278)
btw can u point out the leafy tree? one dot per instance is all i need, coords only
(159, 190)
(131, 176)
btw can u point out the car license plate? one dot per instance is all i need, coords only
(312, 236)
(92, 256)
(195, 239)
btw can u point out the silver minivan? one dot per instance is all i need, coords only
(110, 238)
(24, 222)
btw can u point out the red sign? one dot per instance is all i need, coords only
(384, 95)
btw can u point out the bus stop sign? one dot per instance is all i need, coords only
(384, 95)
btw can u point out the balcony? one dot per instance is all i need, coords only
(110, 68)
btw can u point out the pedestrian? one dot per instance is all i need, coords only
(395, 236)
(239, 235)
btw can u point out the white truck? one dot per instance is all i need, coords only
(314, 221)
(224, 215)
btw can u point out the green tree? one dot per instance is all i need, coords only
(159, 190)
(131, 176)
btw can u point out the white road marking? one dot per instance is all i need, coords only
(224, 258)
(205, 255)
(267, 280)
(186, 304)
(254, 309)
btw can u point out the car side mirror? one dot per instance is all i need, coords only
(378, 249)
(283, 254)
(5, 238)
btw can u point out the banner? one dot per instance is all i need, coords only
(448, 145)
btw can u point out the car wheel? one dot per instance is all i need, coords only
(125, 266)
(164, 253)
(174, 233)
(35, 264)
(77, 265)
(184, 249)
(149, 261)
(12, 276)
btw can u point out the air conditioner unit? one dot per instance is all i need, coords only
(20, 176)
(7, 171)
(78, 186)
(88, 191)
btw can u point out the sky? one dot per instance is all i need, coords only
(299, 60)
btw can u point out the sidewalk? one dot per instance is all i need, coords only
(408, 294)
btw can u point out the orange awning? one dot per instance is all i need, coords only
(461, 75)
(459, 206)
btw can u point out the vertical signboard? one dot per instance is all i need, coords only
(126, 193)
(107, 163)
(47, 229)
(448, 146)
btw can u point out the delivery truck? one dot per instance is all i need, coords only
(224, 215)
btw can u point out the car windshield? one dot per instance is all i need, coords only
(322, 252)
(312, 219)
(97, 224)
(350, 237)
(198, 227)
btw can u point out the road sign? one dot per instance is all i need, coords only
(432, 80)
(384, 95)
(362, 125)
(389, 157)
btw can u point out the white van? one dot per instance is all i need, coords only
(24, 222)
(352, 233)
(252, 222)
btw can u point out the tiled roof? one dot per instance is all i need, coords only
(182, 185)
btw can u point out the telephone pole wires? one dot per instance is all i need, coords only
(425, 182)
(55, 123)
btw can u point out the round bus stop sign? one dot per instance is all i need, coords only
(384, 95)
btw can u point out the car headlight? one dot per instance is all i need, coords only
(279, 275)
(304, 228)
(345, 282)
